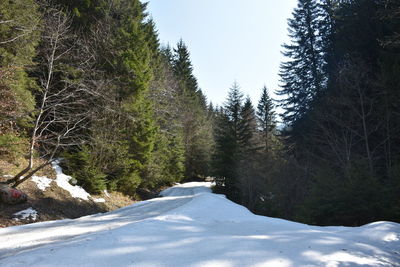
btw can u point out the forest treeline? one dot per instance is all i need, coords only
(89, 82)
(336, 157)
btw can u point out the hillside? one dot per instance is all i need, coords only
(190, 226)
(51, 197)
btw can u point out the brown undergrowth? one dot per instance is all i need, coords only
(54, 203)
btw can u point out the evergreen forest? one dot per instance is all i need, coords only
(90, 83)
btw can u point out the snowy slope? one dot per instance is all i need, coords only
(190, 226)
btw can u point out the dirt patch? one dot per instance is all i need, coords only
(55, 203)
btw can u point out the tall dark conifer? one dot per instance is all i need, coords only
(227, 150)
(302, 74)
(183, 68)
(266, 117)
(134, 63)
(233, 107)
(196, 126)
(247, 128)
(19, 35)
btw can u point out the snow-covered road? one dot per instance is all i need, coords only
(190, 226)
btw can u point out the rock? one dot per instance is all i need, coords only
(10, 195)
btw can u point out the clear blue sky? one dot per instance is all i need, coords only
(228, 40)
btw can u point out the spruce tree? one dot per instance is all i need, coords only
(247, 128)
(227, 144)
(266, 117)
(19, 36)
(302, 74)
(224, 158)
(196, 127)
(183, 68)
(167, 165)
(233, 107)
(134, 58)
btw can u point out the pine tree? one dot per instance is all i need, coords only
(253, 166)
(302, 75)
(167, 54)
(183, 68)
(167, 165)
(326, 41)
(196, 127)
(224, 158)
(233, 107)
(134, 59)
(227, 144)
(266, 117)
(19, 36)
(247, 128)
(85, 13)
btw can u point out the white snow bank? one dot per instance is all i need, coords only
(42, 182)
(380, 232)
(25, 214)
(62, 181)
(211, 207)
(193, 227)
(187, 189)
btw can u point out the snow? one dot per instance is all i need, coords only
(42, 182)
(190, 226)
(25, 214)
(62, 181)
(99, 200)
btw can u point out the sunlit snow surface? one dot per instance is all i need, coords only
(190, 226)
(42, 182)
(62, 181)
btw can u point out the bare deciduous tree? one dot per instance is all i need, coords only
(63, 114)
(348, 125)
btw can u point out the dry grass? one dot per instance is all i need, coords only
(54, 203)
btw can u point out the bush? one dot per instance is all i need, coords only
(80, 166)
(128, 183)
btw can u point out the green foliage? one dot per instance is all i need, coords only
(337, 200)
(167, 164)
(17, 102)
(227, 149)
(129, 183)
(247, 128)
(197, 134)
(19, 35)
(85, 12)
(80, 166)
(243, 167)
(266, 118)
(12, 147)
(341, 94)
(183, 68)
(302, 74)
(140, 134)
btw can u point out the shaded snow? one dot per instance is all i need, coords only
(25, 214)
(99, 200)
(190, 226)
(62, 181)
